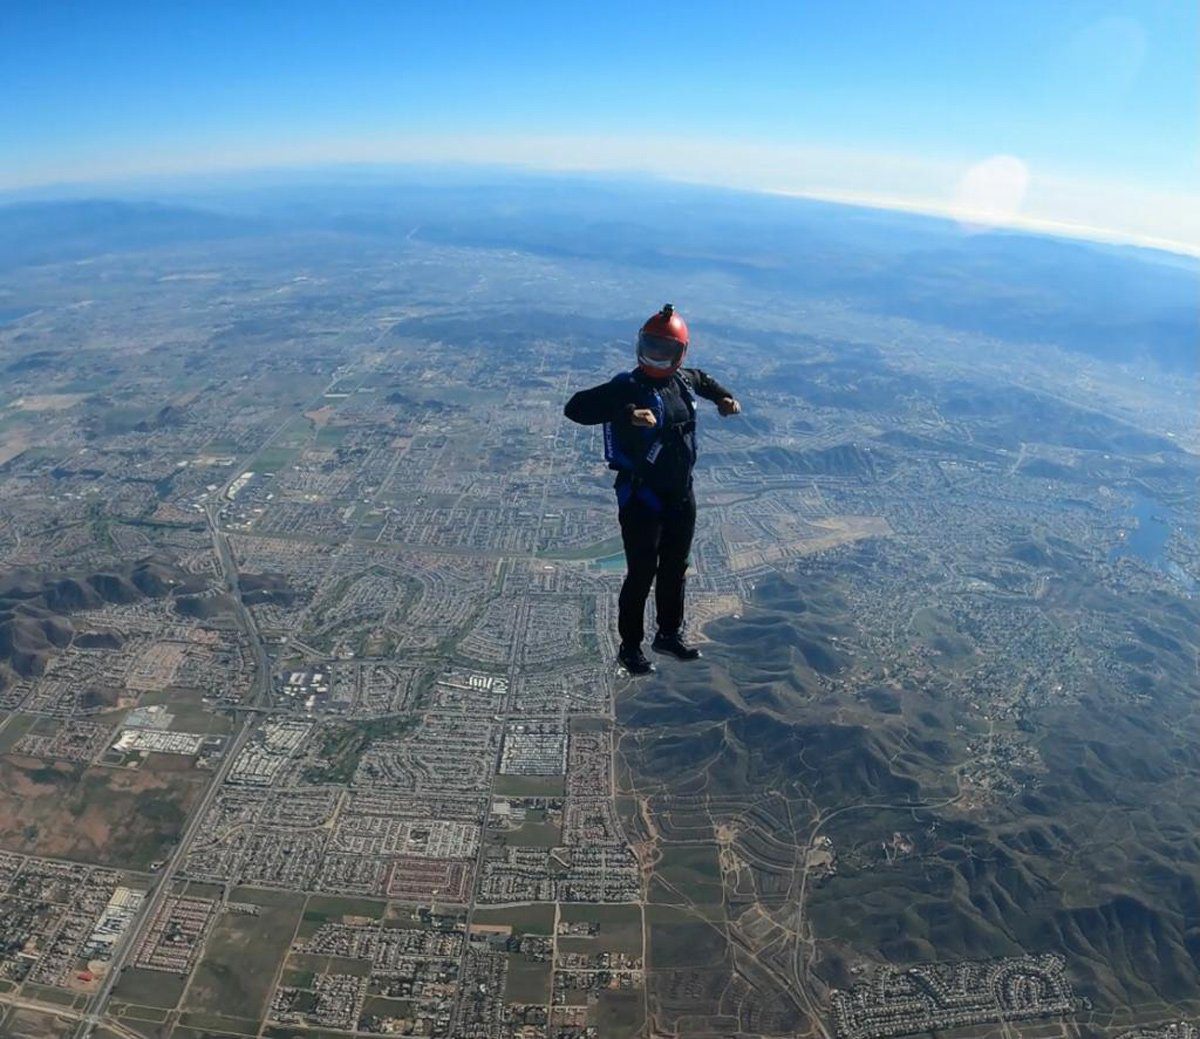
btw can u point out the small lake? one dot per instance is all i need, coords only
(1148, 526)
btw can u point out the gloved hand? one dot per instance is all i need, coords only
(728, 406)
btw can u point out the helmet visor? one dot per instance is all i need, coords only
(659, 352)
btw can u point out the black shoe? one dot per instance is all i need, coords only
(633, 660)
(674, 645)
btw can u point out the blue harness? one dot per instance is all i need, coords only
(633, 463)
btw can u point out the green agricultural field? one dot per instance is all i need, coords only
(14, 726)
(620, 928)
(586, 724)
(33, 1024)
(151, 988)
(198, 889)
(619, 1014)
(534, 918)
(203, 1033)
(692, 869)
(304, 963)
(296, 978)
(243, 953)
(530, 834)
(660, 913)
(380, 1006)
(273, 459)
(152, 1015)
(190, 715)
(575, 998)
(528, 981)
(529, 786)
(335, 907)
(215, 1024)
(677, 945)
(598, 550)
(331, 436)
(46, 994)
(222, 447)
(292, 1032)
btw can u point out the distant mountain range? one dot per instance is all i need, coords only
(1113, 303)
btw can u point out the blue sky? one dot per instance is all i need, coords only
(1086, 111)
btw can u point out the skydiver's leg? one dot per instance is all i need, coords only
(674, 547)
(640, 532)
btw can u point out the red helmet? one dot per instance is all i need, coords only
(662, 343)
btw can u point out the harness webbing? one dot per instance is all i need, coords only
(632, 470)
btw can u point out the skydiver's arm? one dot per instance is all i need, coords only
(707, 387)
(604, 403)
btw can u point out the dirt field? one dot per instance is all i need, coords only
(109, 816)
(809, 538)
(49, 401)
(241, 956)
(32, 1024)
(320, 417)
(11, 446)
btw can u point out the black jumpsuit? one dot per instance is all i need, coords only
(656, 528)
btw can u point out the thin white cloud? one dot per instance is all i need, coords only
(991, 193)
(1001, 190)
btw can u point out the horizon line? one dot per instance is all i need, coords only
(981, 220)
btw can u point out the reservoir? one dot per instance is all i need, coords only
(1147, 525)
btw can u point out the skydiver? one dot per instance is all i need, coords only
(649, 417)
